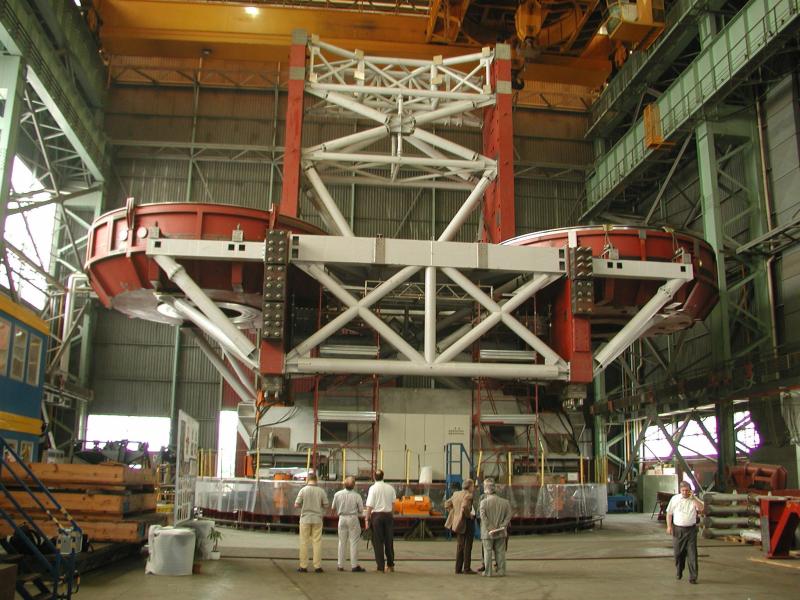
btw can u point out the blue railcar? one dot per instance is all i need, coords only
(23, 346)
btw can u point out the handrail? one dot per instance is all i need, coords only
(698, 85)
(682, 11)
(61, 568)
(43, 489)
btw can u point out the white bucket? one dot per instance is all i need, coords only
(426, 475)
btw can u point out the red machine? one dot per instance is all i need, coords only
(125, 278)
(757, 478)
(780, 516)
(614, 301)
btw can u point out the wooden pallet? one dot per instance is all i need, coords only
(98, 476)
(85, 503)
(131, 529)
(110, 502)
(735, 539)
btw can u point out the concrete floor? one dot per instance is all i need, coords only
(629, 557)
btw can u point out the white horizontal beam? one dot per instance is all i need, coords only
(642, 269)
(420, 253)
(348, 416)
(206, 249)
(508, 419)
(453, 369)
(415, 182)
(397, 91)
(409, 161)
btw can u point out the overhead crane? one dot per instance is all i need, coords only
(551, 40)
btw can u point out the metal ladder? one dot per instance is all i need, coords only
(454, 455)
(46, 569)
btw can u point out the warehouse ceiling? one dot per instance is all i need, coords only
(554, 41)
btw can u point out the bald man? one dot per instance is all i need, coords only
(349, 505)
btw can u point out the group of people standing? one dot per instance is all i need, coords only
(494, 512)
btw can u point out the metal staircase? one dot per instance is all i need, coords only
(45, 567)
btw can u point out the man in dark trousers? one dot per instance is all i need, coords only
(380, 516)
(682, 526)
(461, 521)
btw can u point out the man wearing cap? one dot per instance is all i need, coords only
(682, 526)
(495, 516)
(348, 505)
(311, 500)
(461, 521)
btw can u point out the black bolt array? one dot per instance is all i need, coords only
(276, 260)
(581, 273)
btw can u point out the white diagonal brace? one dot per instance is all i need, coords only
(351, 105)
(337, 289)
(328, 203)
(443, 144)
(361, 138)
(498, 313)
(189, 312)
(636, 326)
(246, 394)
(447, 110)
(469, 205)
(434, 153)
(178, 275)
(245, 376)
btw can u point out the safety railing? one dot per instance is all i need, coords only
(680, 14)
(54, 567)
(737, 46)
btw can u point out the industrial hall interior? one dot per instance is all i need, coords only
(336, 299)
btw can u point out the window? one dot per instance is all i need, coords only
(5, 342)
(113, 428)
(503, 434)
(18, 355)
(333, 431)
(34, 360)
(694, 443)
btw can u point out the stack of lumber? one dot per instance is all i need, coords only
(110, 502)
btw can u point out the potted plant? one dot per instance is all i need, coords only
(215, 535)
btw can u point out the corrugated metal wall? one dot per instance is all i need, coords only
(781, 108)
(238, 138)
(132, 373)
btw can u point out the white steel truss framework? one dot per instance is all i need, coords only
(528, 270)
(373, 277)
(400, 97)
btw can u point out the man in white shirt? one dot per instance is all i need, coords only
(348, 505)
(311, 500)
(682, 526)
(380, 516)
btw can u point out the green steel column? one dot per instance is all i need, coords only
(173, 391)
(600, 437)
(720, 317)
(714, 235)
(12, 88)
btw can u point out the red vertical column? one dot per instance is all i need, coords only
(498, 143)
(571, 336)
(290, 192)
